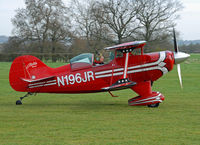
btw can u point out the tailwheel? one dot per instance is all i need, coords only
(18, 102)
(154, 105)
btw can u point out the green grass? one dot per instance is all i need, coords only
(101, 119)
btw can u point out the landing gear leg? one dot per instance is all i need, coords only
(112, 94)
(19, 102)
(151, 83)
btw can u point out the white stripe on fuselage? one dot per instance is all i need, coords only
(42, 83)
(49, 84)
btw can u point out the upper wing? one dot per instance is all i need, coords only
(133, 44)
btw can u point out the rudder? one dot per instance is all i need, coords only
(26, 67)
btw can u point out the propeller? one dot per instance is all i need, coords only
(175, 43)
(179, 74)
(179, 57)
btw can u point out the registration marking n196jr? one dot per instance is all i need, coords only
(75, 78)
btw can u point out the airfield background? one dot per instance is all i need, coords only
(55, 32)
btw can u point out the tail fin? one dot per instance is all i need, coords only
(27, 68)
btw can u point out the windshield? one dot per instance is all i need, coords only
(83, 58)
(109, 56)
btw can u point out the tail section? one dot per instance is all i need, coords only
(27, 69)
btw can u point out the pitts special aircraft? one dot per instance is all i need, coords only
(83, 75)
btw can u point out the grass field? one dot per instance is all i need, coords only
(101, 119)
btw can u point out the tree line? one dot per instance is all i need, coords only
(190, 48)
(53, 27)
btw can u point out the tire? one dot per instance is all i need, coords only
(18, 102)
(154, 105)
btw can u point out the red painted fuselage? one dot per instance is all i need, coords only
(86, 78)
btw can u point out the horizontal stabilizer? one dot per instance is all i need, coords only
(37, 80)
(120, 84)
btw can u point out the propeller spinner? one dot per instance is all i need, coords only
(179, 58)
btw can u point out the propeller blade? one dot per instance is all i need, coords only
(179, 74)
(175, 42)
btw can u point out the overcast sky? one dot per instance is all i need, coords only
(188, 24)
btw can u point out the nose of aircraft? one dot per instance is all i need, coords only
(180, 57)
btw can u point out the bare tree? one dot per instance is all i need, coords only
(149, 20)
(94, 23)
(86, 25)
(157, 17)
(42, 21)
(120, 17)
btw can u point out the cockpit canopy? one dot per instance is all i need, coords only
(86, 60)
(83, 58)
(82, 61)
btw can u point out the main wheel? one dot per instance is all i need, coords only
(153, 105)
(18, 102)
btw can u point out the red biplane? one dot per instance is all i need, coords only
(124, 70)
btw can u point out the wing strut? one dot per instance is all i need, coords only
(124, 82)
(126, 49)
(126, 65)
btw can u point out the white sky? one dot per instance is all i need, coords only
(188, 24)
